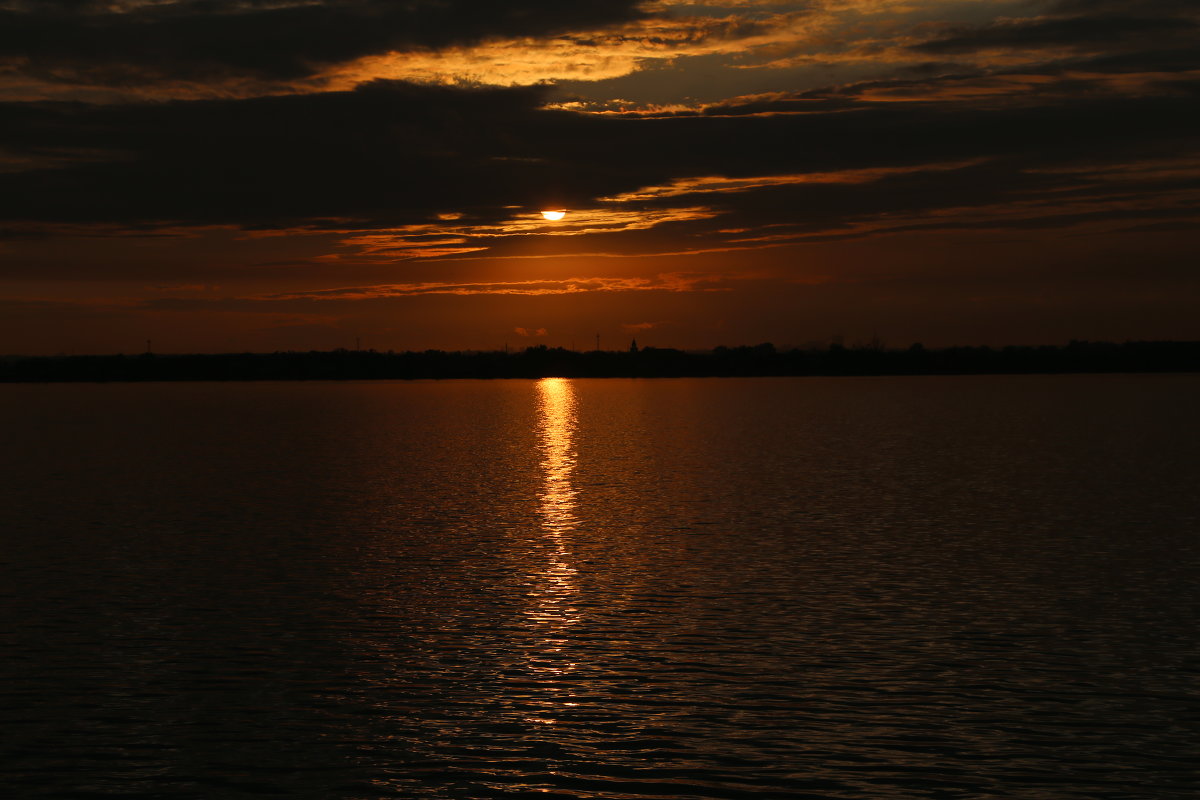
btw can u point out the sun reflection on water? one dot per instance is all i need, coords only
(556, 428)
(554, 589)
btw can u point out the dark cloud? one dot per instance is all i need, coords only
(1180, 59)
(399, 150)
(1057, 33)
(1122, 7)
(1076, 24)
(392, 153)
(87, 42)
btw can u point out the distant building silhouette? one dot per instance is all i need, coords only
(633, 348)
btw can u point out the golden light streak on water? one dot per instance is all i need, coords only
(554, 590)
(556, 429)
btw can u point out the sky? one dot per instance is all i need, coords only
(260, 175)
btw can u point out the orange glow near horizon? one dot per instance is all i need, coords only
(554, 215)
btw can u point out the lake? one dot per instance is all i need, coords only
(924, 587)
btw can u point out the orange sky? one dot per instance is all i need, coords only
(250, 175)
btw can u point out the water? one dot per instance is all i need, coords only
(931, 587)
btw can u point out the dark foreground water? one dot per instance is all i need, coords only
(784, 588)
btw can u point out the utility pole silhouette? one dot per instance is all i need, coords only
(597, 341)
(147, 347)
(357, 343)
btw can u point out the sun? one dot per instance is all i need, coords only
(554, 216)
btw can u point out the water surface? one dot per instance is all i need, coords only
(787, 588)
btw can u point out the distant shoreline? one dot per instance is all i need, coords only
(763, 360)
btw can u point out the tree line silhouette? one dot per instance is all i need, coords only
(647, 362)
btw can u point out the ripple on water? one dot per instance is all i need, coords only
(942, 588)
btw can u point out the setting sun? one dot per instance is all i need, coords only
(554, 216)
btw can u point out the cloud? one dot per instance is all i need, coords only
(530, 332)
(669, 282)
(1058, 33)
(1073, 28)
(435, 240)
(400, 171)
(394, 150)
(142, 42)
(587, 55)
(717, 184)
